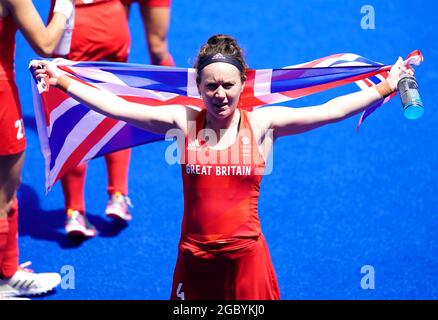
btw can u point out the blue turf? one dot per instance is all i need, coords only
(336, 200)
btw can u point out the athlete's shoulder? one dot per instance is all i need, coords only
(192, 113)
(259, 118)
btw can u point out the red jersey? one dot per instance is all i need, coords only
(148, 3)
(87, 2)
(222, 253)
(101, 31)
(8, 28)
(221, 189)
(12, 134)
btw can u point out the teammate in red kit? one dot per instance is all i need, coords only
(222, 251)
(101, 33)
(156, 20)
(19, 15)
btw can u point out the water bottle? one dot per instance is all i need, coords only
(410, 97)
(63, 47)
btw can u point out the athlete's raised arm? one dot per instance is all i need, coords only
(287, 121)
(155, 119)
(42, 39)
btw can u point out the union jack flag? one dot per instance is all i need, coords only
(70, 133)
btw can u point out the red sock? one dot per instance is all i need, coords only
(10, 257)
(4, 230)
(168, 62)
(73, 184)
(117, 164)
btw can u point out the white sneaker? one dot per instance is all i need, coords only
(78, 226)
(26, 283)
(117, 207)
(13, 298)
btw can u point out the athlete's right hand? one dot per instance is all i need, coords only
(43, 69)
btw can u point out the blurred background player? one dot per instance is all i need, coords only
(20, 15)
(156, 19)
(101, 33)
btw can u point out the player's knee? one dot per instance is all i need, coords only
(12, 184)
(8, 191)
(157, 48)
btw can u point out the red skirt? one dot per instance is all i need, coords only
(244, 274)
(149, 3)
(101, 33)
(13, 139)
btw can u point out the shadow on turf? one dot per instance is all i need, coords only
(49, 224)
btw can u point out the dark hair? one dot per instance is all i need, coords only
(222, 44)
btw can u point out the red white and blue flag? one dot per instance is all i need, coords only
(70, 133)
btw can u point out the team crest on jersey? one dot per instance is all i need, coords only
(193, 145)
(245, 146)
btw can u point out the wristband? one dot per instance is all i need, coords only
(384, 89)
(63, 83)
(64, 7)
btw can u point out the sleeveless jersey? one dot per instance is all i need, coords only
(221, 189)
(8, 28)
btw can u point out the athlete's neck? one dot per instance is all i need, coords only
(222, 124)
(225, 131)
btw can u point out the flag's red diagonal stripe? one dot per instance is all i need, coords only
(92, 139)
(51, 100)
(368, 82)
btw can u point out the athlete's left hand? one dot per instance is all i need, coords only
(397, 70)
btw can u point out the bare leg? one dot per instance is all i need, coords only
(156, 21)
(10, 180)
